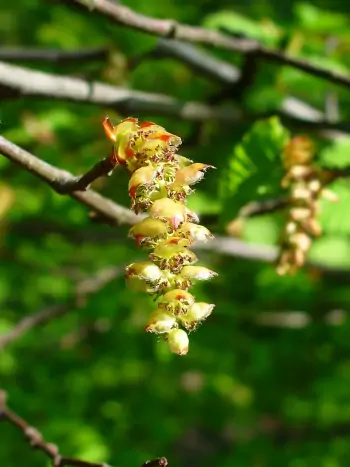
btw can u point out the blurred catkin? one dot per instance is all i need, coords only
(305, 184)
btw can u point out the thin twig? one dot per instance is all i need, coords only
(59, 180)
(257, 208)
(85, 287)
(37, 441)
(171, 29)
(331, 107)
(160, 462)
(297, 319)
(199, 61)
(11, 54)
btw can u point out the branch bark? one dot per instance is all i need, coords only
(11, 54)
(37, 441)
(64, 182)
(171, 29)
(18, 81)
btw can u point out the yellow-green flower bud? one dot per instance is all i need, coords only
(301, 241)
(176, 301)
(141, 176)
(172, 257)
(299, 150)
(160, 321)
(179, 241)
(149, 230)
(300, 214)
(178, 341)
(329, 195)
(300, 193)
(191, 216)
(197, 313)
(179, 192)
(168, 210)
(312, 226)
(192, 173)
(194, 232)
(145, 277)
(145, 269)
(197, 272)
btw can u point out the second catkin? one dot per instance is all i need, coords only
(306, 183)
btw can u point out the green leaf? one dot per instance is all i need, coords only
(336, 155)
(335, 217)
(262, 230)
(266, 31)
(255, 168)
(331, 251)
(318, 20)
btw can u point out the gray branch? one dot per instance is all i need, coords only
(59, 180)
(12, 54)
(18, 81)
(113, 213)
(171, 29)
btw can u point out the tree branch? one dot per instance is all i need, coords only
(171, 29)
(160, 462)
(199, 61)
(18, 81)
(229, 76)
(265, 253)
(12, 54)
(292, 111)
(36, 440)
(116, 214)
(258, 208)
(64, 182)
(89, 285)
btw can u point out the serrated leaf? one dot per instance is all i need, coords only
(335, 217)
(336, 155)
(255, 168)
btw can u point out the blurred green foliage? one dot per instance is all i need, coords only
(92, 381)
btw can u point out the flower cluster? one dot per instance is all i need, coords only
(159, 184)
(305, 185)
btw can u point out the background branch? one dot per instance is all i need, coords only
(168, 28)
(292, 111)
(84, 288)
(12, 54)
(113, 213)
(36, 440)
(18, 81)
(199, 61)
